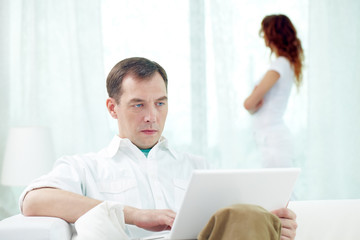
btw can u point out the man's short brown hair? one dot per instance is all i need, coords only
(140, 68)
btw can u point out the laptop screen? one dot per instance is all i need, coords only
(210, 190)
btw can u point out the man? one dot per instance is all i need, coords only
(138, 169)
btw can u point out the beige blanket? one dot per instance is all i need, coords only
(242, 221)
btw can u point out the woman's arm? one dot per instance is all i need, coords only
(255, 100)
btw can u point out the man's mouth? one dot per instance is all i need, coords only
(149, 131)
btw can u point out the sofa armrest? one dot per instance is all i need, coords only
(327, 219)
(19, 227)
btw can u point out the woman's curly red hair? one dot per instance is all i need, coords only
(281, 33)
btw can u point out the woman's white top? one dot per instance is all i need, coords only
(276, 99)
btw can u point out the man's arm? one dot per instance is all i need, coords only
(54, 202)
(70, 206)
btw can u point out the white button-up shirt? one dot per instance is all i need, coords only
(122, 173)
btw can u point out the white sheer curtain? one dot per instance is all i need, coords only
(157, 30)
(53, 75)
(333, 160)
(56, 71)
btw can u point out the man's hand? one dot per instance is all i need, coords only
(288, 223)
(152, 220)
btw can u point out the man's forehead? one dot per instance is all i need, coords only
(133, 80)
(153, 88)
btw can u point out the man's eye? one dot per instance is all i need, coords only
(160, 103)
(138, 105)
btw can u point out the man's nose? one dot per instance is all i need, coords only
(150, 115)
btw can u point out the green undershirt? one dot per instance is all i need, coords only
(145, 151)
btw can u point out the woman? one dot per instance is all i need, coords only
(269, 98)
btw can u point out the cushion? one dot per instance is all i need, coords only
(19, 227)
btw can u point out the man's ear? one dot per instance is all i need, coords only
(110, 104)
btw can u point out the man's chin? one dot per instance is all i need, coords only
(148, 144)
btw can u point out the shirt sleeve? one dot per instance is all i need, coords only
(66, 175)
(279, 65)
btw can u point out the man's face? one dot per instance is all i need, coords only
(142, 110)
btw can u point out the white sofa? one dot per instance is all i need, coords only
(19, 227)
(327, 219)
(317, 220)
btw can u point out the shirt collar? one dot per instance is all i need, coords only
(117, 142)
(164, 143)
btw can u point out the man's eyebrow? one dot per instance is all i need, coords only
(136, 100)
(139, 100)
(164, 98)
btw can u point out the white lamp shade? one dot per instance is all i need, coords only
(28, 155)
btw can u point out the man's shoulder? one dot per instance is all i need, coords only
(192, 156)
(77, 159)
(197, 160)
(106, 152)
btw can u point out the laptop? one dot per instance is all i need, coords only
(210, 190)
